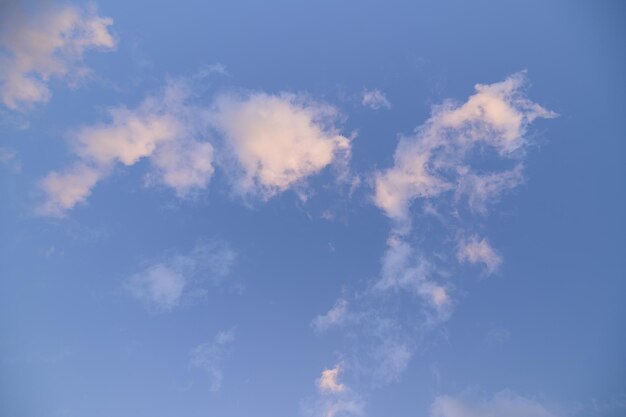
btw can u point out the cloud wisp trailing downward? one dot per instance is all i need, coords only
(162, 285)
(210, 356)
(37, 46)
(439, 166)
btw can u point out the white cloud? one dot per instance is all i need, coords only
(503, 404)
(44, 44)
(329, 381)
(162, 285)
(334, 317)
(335, 399)
(210, 357)
(375, 99)
(165, 129)
(434, 160)
(475, 250)
(277, 140)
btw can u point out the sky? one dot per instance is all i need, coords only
(312, 209)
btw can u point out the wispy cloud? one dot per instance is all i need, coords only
(210, 357)
(435, 159)
(162, 285)
(437, 165)
(375, 99)
(277, 141)
(505, 403)
(9, 159)
(334, 317)
(475, 250)
(46, 43)
(163, 128)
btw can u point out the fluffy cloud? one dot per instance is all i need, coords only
(48, 43)
(210, 356)
(434, 160)
(269, 144)
(502, 404)
(375, 99)
(335, 316)
(475, 250)
(162, 285)
(163, 128)
(277, 140)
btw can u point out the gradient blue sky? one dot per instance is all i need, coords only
(322, 209)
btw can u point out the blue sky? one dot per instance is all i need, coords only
(317, 209)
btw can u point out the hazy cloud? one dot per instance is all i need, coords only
(210, 357)
(335, 316)
(502, 404)
(375, 99)
(49, 42)
(162, 285)
(475, 250)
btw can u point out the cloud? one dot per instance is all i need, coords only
(375, 99)
(484, 189)
(162, 285)
(163, 128)
(334, 399)
(269, 144)
(9, 158)
(329, 381)
(210, 357)
(334, 317)
(475, 250)
(403, 268)
(502, 404)
(435, 159)
(277, 141)
(46, 43)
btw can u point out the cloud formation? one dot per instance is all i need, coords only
(49, 42)
(277, 141)
(267, 144)
(334, 399)
(502, 404)
(334, 317)
(475, 250)
(210, 357)
(375, 99)
(163, 128)
(329, 381)
(162, 285)
(435, 159)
